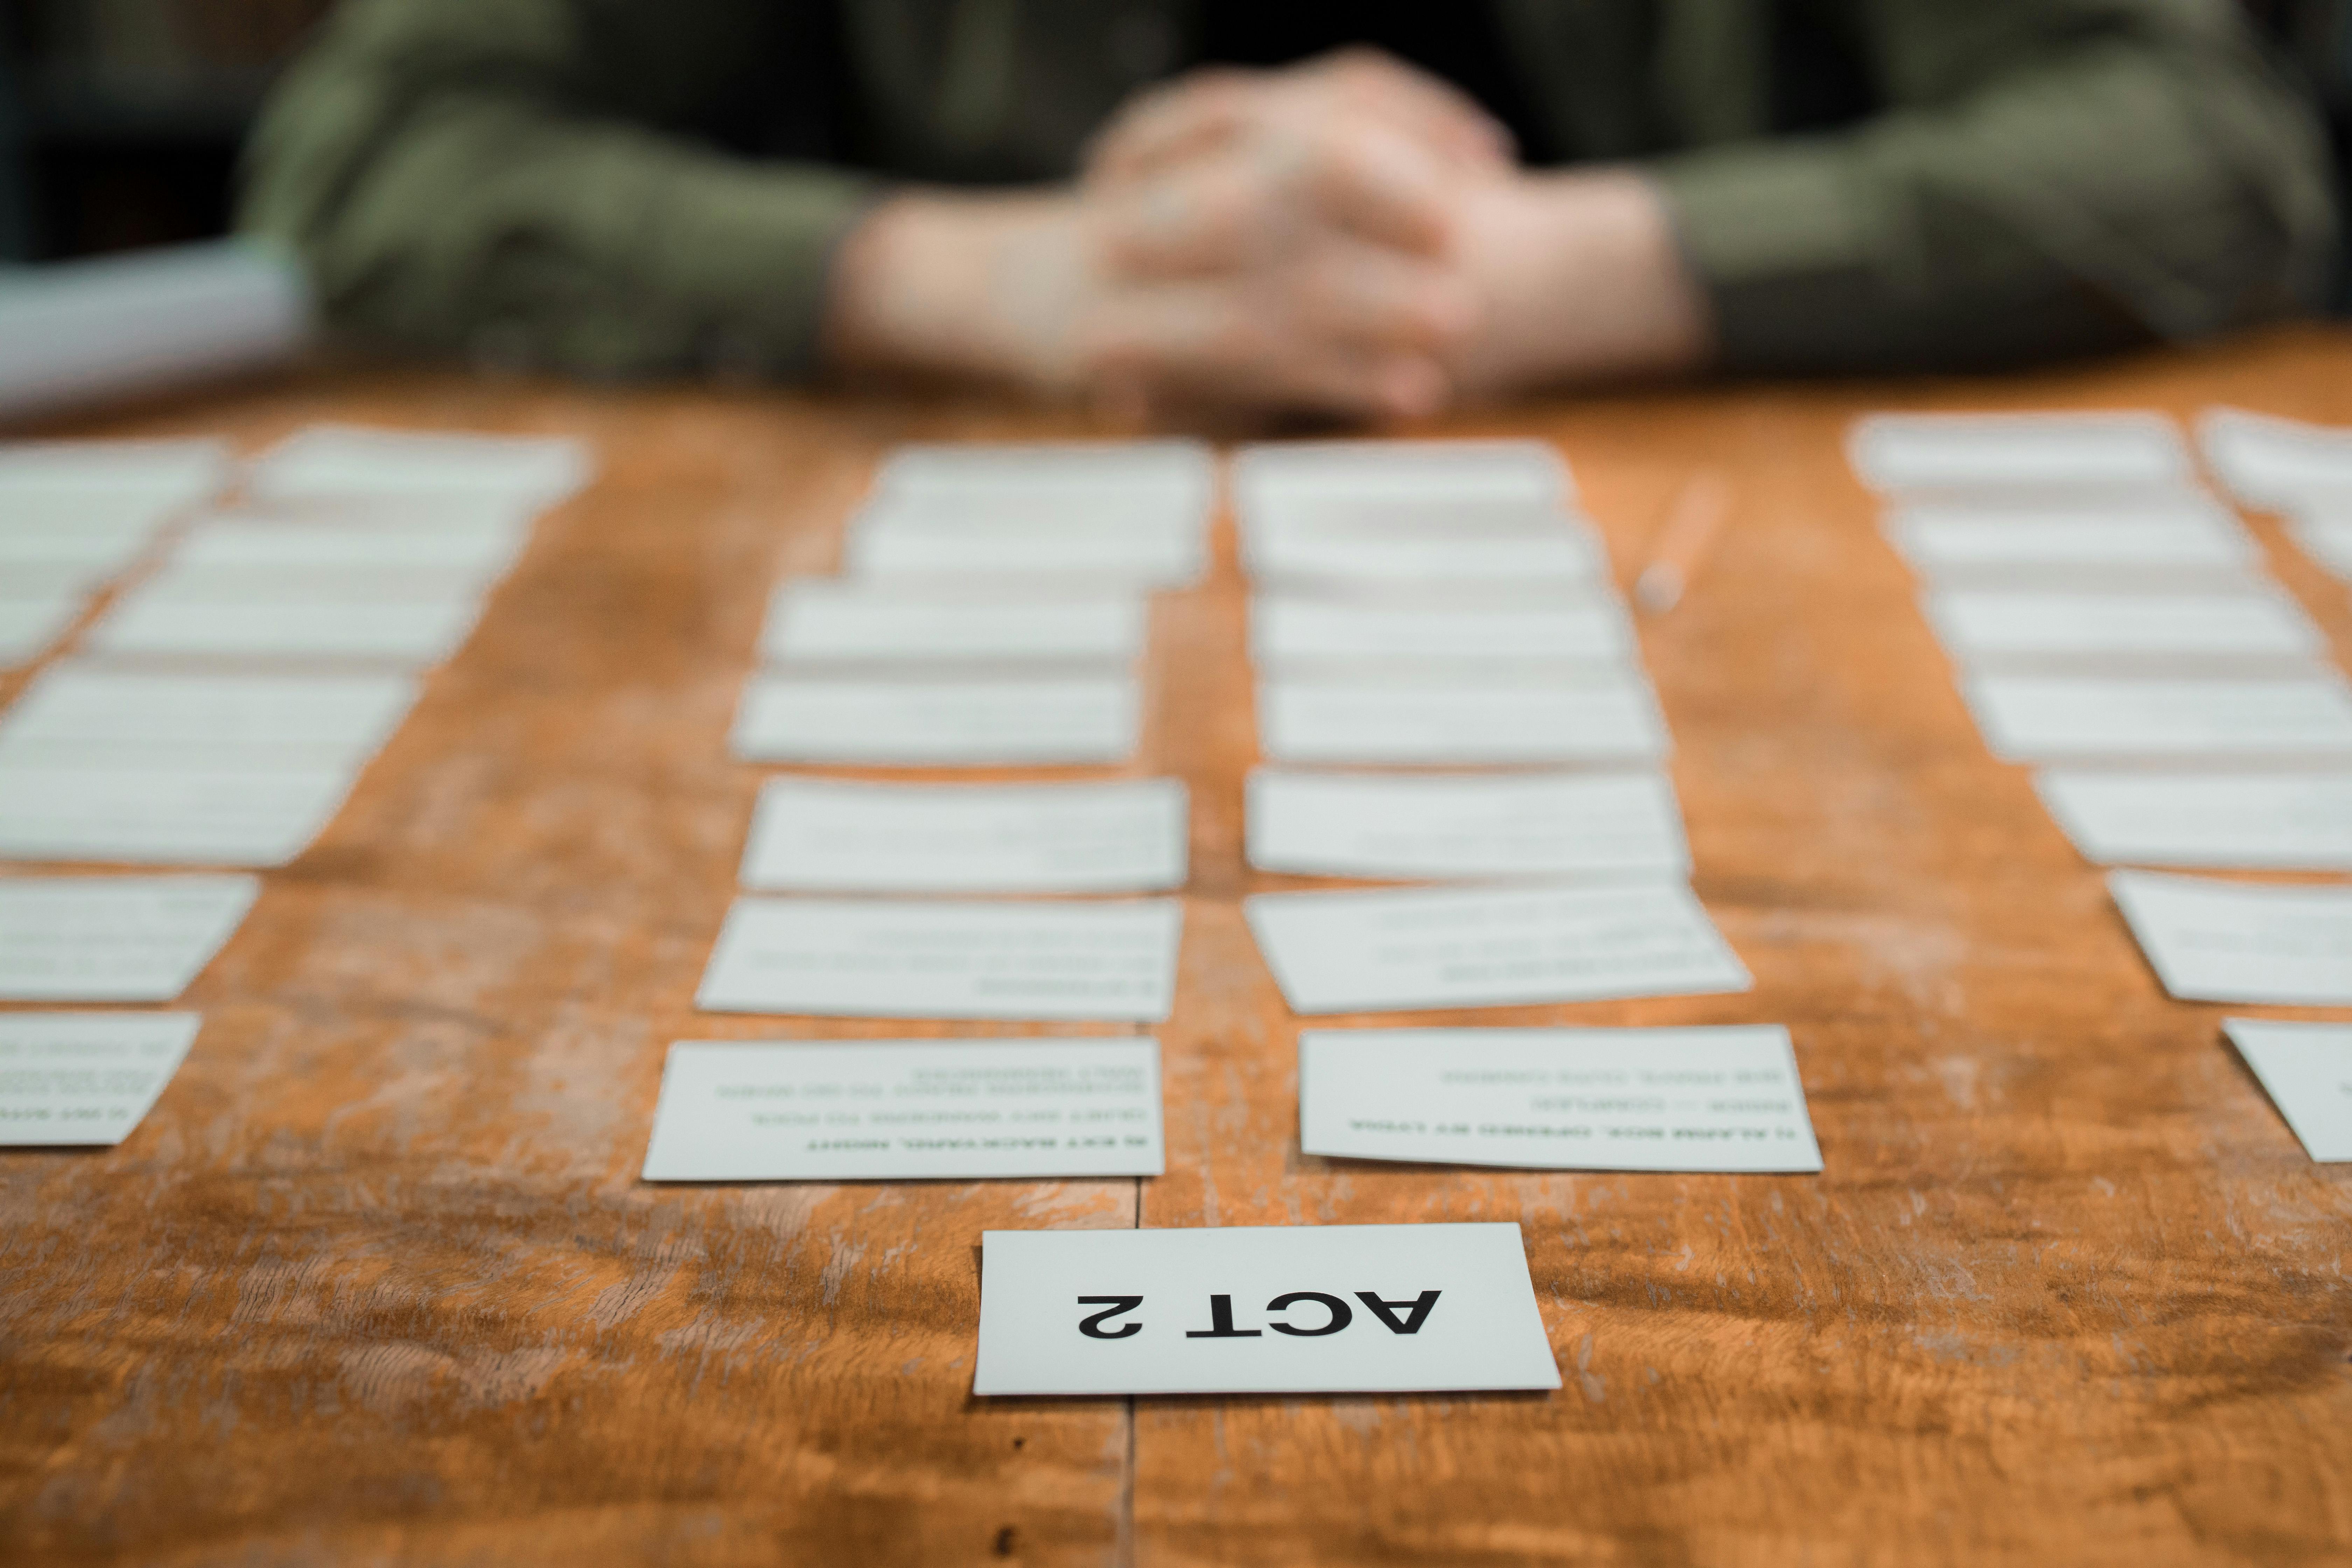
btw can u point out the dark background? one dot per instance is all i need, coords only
(119, 120)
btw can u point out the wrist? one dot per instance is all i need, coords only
(1582, 279)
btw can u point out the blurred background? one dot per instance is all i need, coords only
(119, 120)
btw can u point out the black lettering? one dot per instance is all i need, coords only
(1221, 1324)
(1112, 1306)
(1341, 1314)
(1416, 1315)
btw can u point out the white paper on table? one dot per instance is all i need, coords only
(1322, 719)
(158, 477)
(204, 814)
(2270, 462)
(332, 462)
(2328, 540)
(168, 617)
(1486, 825)
(84, 1079)
(1039, 721)
(113, 938)
(2236, 942)
(1363, 1309)
(824, 618)
(1964, 451)
(2249, 821)
(817, 835)
(1287, 628)
(77, 714)
(2179, 533)
(904, 1110)
(854, 958)
(1393, 951)
(1422, 560)
(2048, 717)
(480, 550)
(1557, 1100)
(39, 556)
(1154, 473)
(2306, 1070)
(1271, 478)
(28, 625)
(1982, 623)
(1041, 552)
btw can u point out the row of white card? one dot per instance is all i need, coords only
(184, 767)
(1556, 1100)
(812, 835)
(1330, 952)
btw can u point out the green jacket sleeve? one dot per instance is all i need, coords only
(2050, 176)
(527, 181)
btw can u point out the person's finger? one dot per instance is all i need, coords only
(1364, 177)
(1213, 345)
(1168, 125)
(1379, 301)
(1416, 102)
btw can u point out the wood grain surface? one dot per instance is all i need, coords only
(375, 1281)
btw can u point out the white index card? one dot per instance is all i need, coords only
(819, 619)
(1982, 624)
(1969, 451)
(2175, 535)
(480, 549)
(2270, 462)
(28, 625)
(1274, 477)
(113, 938)
(165, 473)
(905, 1110)
(40, 556)
(814, 835)
(846, 958)
(2306, 1070)
(947, 723)
(1157, 472)
(1395, 952)
(1340, 1309)
(1294, 628)
(2251, 821)
(1374, 722)
(2236, 942)
(1557, 1100)
(339, 462)
(1502, 826)
(188, 816)
(901, 546)
(78, 713)
(1421, 560)
(186, 617)
(84, 1079)
(2048, 717)
(2326, 538)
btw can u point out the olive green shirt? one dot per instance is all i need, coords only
(643, 186)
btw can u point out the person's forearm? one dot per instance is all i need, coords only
(1582, 280)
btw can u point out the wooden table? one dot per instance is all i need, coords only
(376, 1282)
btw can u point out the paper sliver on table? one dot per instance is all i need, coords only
(1505, 947)
(812, 619)
(943, 723)
(1337, 1309)
(1296, 627)
(2183, 534)
(113, 938)
(2249, 821)
(2212, 941)
(2306, 1070)
(1893, 452)
(1562, 555)
(1726, 1099)
(29, 624)
(85, 1078)
(2050, 718)
(79, 712)
(867, 1110)
(1484, 825)
(2273, 463)
(854, 958)
(1021, 554)
(409, 632)
(352, 462)
(1369, 720)
(817, 835)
